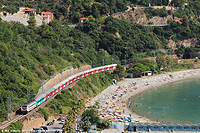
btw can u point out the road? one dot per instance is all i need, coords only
(57, 126)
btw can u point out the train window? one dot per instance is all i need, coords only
(24, 107)
(32, 105)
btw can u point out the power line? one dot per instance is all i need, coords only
(9, 107)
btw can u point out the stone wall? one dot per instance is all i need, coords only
(61, 76)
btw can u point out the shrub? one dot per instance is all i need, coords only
(44, 113)
(16, 125)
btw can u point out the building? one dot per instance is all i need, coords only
(148, 127)
(47, 17)
(30, 11)
(82, 20)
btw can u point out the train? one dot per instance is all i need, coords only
(29, 106)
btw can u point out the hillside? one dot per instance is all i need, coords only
(31, 54)
(72, 11)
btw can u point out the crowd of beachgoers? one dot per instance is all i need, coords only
(115, 101)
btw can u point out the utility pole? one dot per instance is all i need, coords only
(42, 85)
(61, 76)
(88, 124)
(103, 62)
(125, 59)
(28, 92)
(112, 60)
(154, 59)
(9, 107)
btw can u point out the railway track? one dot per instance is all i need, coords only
(71, 81)
(19, 117)
(11, 121)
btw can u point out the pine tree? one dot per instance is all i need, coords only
(32, 22)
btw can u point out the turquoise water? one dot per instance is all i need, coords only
(175, 103)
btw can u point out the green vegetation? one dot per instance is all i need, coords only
(163, 63)
(119, 72)
(90, 116)
(77, 8)
(16, 126)
(44, 113)
(72, 100)
(31, 54)
(150, 12)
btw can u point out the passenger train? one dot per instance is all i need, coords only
(27, 107)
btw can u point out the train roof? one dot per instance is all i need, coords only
(40, 96)
(69, 78)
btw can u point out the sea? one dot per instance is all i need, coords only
(177, 102)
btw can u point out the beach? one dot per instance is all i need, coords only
(115, 101)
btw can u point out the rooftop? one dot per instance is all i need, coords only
(30, 9)
(83, 19)
(47, 13)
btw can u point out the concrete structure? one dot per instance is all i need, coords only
(147, 73)
(21, 16)
(47, 17)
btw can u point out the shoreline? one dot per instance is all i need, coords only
(124, 103)
(132, 97)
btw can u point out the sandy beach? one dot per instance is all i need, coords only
(115, 100)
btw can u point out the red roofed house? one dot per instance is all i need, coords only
(82, 20)
(47, 16)
(29, 11)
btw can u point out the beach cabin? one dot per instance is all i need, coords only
(147, 73)
(135, 127)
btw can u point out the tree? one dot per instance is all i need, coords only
(184, 21)
(120, 71)
(161, 61)
(32, 22)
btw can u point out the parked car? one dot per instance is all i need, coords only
(44, 128)
(49, 124)
(62, 122)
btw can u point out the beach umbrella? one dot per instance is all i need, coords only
(126, 119)
(130, 118)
